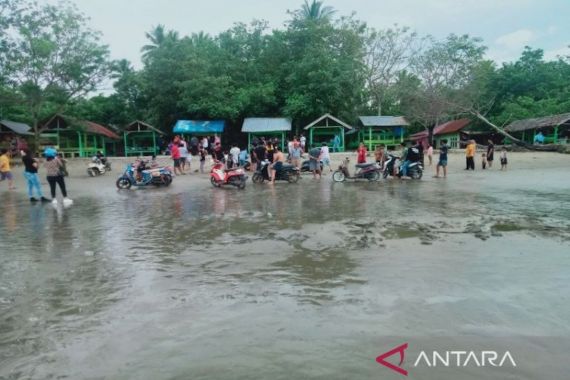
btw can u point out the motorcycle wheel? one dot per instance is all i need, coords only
(91, 172)
(241, 184)
(123, 183)
(167, 179)
(214, 182)
(293, 178)
(416, 174)
(385, 174)
(374, 176)
(257, 178)
(338, 176)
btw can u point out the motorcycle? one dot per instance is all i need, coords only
(98, 167)
(389, 165)
(139, 174)
(219, 176)
(287, 173)
(415, 170)
(369, 171)
(305, 166)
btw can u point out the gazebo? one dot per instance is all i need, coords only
(325, 128)
(140, 138)
(199, 127)
(13, 134)
(382, 130)
(259, 126)
(76, 137)
(556, 129)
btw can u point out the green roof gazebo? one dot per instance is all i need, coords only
(265, 126)
(325, 128)
(140, 138)
(76, 137)
(382, 130)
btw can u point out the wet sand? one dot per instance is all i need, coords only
(310, 280)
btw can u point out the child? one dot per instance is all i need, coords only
(430, 154)
(442, 163)
(503, 159)
(379, 155)
(484, 161)
(5, 172)
(361, 154)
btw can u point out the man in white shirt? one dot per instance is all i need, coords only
(325, 156)
(303, 141)
(234, 154)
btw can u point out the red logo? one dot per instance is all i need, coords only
(401, 349)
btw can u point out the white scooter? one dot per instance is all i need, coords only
(96, 167)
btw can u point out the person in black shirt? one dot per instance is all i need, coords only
(260, 153)
(218, 153)
(31, 175)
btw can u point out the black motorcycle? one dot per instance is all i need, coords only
(287, 173)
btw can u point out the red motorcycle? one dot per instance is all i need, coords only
(219, 176)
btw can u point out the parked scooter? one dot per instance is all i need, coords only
(369, 171)
(98, 167)
(287, 173)
(389, 165)
(142, 174)
(220, 176)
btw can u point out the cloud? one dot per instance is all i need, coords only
(554, 54)
(517, 39)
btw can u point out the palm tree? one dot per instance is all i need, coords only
(315, 11)
(158, 37)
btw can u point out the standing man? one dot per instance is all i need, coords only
(295, 154)
(5, 172)
(442, 163)
(490, 153)
(175, 154)
(278, 160)
(470, 151)
(234, 154)
(336, 143)
(303, 141)
(314, 161)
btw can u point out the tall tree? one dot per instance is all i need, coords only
(315, 11)
(50, 56)
(158, 37)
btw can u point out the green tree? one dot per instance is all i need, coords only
(315, 11)
(51, 57)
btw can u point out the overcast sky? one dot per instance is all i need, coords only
(505, 25)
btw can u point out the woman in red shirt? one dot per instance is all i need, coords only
(361, 154)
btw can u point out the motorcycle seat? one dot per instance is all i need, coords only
(362, 166)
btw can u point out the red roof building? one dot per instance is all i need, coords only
(449, 131)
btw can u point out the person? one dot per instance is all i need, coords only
(183, 149)
(336, 143)
(234, 155)
(420, 147)
(442, 163)
(218, 153)
(278, 160)
(260, 153)
(100, 156)
(303, 141)
(31, 175)
(175, 154)
(412, 155)
(296, 154)
(5, 172)
(53, 166)
(470, 151)
(243, 158)
(314, 161)
(490, 153)
(193, 149)
(539, 138)
(253, 157)
(325, 156)
(503, 159)
(484, 161)
(379, 155)
(361, 153)
(270, 149)
(205, 143)
(202, 153)
(430, 154)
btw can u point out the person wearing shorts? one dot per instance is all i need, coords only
(314, 158)
(442, 163)
(175, 154)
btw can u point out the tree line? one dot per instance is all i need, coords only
(319, 62)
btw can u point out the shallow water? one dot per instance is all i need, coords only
(312, 280)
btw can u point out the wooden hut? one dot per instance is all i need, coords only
(450, 131)
(266, 127)
(325, 128)
(141, 139)
(555, 129)
(13, 135)
(76, 137)
(381, 130)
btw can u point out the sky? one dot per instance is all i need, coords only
(506, 26)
